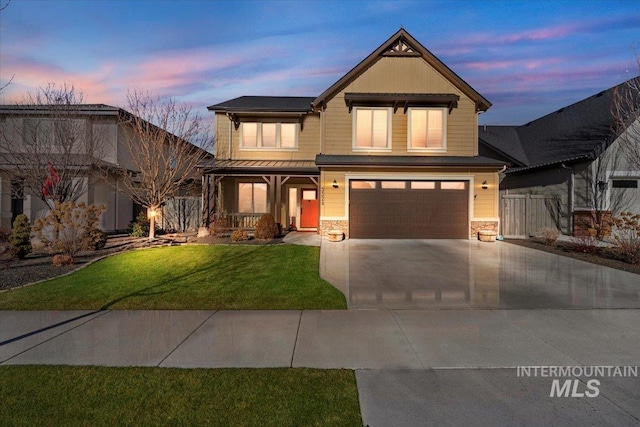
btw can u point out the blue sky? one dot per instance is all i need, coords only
(528, 58)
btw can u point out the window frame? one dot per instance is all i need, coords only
(259, 142)
(253, 197)
(443, 147)
(354, 136)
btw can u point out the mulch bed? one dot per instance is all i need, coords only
(605, 256)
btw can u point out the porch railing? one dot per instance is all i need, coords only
(239, 221)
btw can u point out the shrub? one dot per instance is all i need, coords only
(20, 237)
(5, 235)
(140, 227)
(627, 237)
(266, 228)
(586, 244)
(66, 228)
(95, 238)
(549, 236)
(220, 226)
(61, 260)
(239, 236)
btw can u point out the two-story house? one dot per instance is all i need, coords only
(388, 151)
(89, 142)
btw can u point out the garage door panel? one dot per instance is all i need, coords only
(433, 213)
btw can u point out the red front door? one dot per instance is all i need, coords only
(309, 208)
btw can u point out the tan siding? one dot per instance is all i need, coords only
(485, 202)
(308, 142)
(332, 200)
(402, 75)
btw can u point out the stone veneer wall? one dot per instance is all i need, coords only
(584, 221)
(482, 225)
(326, 226)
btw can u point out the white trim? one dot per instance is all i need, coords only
(259, 146)
(623, 174)
(354, 126)
(334, 218)
(443, 148)
(268, 149)
(486, 219)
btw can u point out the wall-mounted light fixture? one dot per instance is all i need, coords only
(485, 185)
(334, 184)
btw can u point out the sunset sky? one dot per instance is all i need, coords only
(528, 58)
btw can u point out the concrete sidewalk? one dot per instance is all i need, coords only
(412, 366)
(356, 339)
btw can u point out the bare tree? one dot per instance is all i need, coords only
(164, 142)
(626, 116)
(605, 202)
(3, 7)
(47, 147)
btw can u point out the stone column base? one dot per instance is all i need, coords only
(328, 225)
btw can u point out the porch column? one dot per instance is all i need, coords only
(278, 215)
(270, 180)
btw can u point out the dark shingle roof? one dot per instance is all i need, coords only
(265, 104)
(578, 131)
(505, 140)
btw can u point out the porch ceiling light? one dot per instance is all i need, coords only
(485, 185)
(334, 184)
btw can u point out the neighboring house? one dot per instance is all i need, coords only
(100, 132)
(389, 151)
(565, 169)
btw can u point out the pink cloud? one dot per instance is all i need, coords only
(31, 75)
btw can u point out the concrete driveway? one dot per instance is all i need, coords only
(461, 274)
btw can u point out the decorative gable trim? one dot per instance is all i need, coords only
(402, 48)
(401, 44)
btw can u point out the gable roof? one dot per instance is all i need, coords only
(580, 131)
(402, 44)
(298, 104)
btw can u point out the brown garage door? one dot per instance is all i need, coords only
(409, 209)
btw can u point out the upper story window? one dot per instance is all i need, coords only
(269, 135)
(372, 129)
(427, 129)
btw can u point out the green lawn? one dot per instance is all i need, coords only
(188, 278)
(96, 396)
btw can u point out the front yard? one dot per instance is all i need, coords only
(64, 395)
(188, 278)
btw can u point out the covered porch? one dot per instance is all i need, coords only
(236, 193)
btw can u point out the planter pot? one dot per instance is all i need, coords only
(336, 236)
(487, 236)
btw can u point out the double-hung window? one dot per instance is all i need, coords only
(372, 129)
(269, 136)
(427, 129)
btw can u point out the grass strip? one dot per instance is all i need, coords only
(222, 277)
(101, 396)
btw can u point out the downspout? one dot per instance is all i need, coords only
(570, 199)
(230, 135)
(321, 130)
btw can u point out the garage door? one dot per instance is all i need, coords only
(385, 209)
